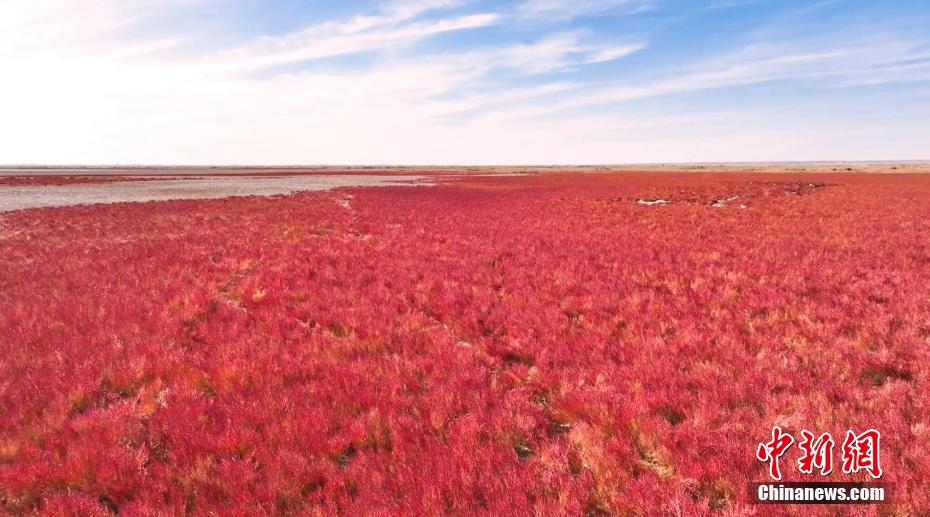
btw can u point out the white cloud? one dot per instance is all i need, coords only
(560, 50)
(394, 24)
(561, 9)
(726, 4)
(330, 40)
(866, 62)
(400, 10)
(66, 27)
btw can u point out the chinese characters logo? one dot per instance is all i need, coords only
(859, 452)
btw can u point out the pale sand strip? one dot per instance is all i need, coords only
(23, 197)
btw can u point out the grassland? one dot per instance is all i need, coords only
(534, 344)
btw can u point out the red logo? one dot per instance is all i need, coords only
(817, 453)
(773, 450)
(859, 452)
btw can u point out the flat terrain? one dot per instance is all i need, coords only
(549, 343)
(34, 187)
(871, 167)
(84, 190)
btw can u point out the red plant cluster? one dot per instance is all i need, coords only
(538, 344)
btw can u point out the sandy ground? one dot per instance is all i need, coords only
(23, 197)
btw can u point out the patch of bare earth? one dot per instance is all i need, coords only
(21, 197)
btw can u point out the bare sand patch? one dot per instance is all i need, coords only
(35, 196)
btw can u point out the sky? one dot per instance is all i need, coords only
(462, 82)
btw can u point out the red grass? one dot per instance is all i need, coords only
(525, 344)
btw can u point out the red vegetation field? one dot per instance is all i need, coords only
(542, 344)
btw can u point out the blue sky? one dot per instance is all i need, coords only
(462, 81)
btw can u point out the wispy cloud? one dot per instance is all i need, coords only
(562, 9)
(328, 40)
(726, 4)
(71, 26)
(872, 61)
(560, 50)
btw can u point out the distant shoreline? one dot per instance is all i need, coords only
(903, 166)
